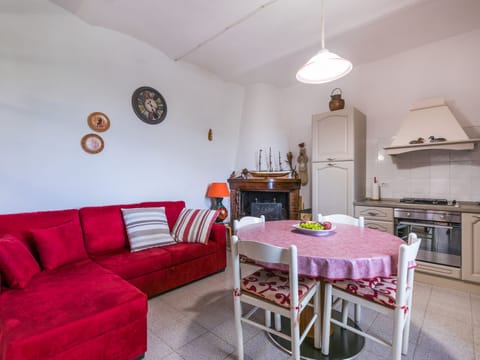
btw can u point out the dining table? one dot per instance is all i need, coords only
(342, 252)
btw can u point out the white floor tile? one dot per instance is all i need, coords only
(206, 347)
(196, 322)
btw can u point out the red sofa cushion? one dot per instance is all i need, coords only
(17, 264)
(130, 265)
(194, 225)
(20, 224)
(104, 229)
(66, 307)
(183, 252)
(60, 245)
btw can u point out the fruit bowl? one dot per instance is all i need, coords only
(314, 232)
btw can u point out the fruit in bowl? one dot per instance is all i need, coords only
(314, 225)
(327, 225)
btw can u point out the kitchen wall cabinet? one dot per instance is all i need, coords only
(471, 247)
(378, 218)
(338, 161)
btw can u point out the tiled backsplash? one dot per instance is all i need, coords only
(453, 175)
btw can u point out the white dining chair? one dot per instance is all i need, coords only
(349, 220)
(284, 293)
(389, 296)
(247, 220)
(344, 219)
(238, 224)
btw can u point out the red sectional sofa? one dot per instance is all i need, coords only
(91, 300)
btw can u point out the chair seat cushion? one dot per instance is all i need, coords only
(274, 286)
(381, 290)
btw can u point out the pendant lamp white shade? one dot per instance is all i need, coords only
(324, 67)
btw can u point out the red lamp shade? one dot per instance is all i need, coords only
(218, 190)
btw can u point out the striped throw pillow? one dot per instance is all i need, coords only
(147, 228)
(193, 226)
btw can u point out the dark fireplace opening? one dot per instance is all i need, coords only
(273, 205)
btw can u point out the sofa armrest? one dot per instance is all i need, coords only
(218, 235)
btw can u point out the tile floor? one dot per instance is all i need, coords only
(195, 322)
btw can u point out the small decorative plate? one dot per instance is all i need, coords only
(269, 173)
(92, 143)
(149, 105)
(98, 121)
(315, 232)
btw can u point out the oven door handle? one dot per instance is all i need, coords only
(425, 225)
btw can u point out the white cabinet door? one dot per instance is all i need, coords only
(332, 137)
(332, 188)
(471, 247)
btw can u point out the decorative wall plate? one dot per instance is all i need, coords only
(92, 143)
(98, 121)
(149, 105)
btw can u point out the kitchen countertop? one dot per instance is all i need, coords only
(463, 206)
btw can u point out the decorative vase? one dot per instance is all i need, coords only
(336, 102)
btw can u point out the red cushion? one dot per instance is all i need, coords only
(60, 245)
(194, 225)
(19, 224)
(183, 252)
(16, 263)
(104, 229)
(131, 265)
(65, 308)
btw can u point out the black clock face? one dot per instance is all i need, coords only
(149, 105)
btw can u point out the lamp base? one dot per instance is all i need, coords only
(222, 215)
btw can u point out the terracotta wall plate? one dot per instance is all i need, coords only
(92, 143)
(98, 121)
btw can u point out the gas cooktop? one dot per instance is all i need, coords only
(427, 201)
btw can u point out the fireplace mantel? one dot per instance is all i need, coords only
(239, 187)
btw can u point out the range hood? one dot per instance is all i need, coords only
(430, 125)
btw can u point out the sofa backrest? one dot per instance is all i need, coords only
(104, 229)
(21, 224)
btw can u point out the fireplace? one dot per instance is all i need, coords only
(275, 198)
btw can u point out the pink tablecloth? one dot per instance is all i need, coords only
(349, 252)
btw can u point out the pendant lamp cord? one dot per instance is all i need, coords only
(322, 22)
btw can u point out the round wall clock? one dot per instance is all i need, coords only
(149, 105)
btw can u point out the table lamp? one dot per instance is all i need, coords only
(218, 191)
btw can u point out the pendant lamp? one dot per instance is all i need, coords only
(325, 66)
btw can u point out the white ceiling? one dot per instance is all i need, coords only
(269, 44)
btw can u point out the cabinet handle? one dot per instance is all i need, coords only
(330, 159)
(330, 164)
(371, 213)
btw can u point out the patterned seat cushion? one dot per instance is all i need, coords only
(381, 290)
(273, 285)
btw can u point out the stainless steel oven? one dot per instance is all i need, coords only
(440, 232)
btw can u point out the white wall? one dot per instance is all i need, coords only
(55, 70)
(384, 91)
(262, 129)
